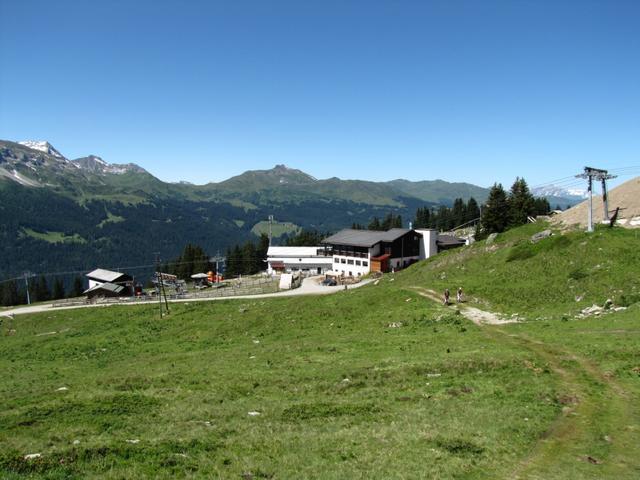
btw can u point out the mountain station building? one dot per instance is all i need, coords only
(357, 252)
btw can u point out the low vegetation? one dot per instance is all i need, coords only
(377, 382)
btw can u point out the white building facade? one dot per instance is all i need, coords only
(307, 260)
(358, 252)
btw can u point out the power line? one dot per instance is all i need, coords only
(136, 267)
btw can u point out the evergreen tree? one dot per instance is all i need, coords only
(458, 213)
(58, 289)
(442, 218)
(375, 224)
(41, 290)
(249, 259)
(234, 262)
(422, 219)
(521, 203)
(473, 210)
(261, 253)
(78, 287)
(495, 216)
(10, 294)
(541, 206)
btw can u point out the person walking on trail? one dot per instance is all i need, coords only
(459, 295)
(446, 296)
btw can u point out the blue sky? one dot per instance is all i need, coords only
(476, 91)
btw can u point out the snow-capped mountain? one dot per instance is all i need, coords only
(95, 164)
(39, 164)
(555, 191)
(42, 146)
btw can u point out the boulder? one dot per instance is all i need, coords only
(536, 237)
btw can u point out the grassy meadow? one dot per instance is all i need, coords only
(376, 382)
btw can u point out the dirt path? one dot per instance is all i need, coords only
(598, 421)
(477, 316)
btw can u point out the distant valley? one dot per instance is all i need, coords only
(60, 214)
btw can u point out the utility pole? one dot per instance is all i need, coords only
(218, 258)
(270, 232)
(592, 174)
(26, 283)
(158, 280)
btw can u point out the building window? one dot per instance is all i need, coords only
(342, 260)
(350, 262)
(365, 263)
(358, 263)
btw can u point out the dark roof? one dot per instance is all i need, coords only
(450, 240)
(365, 238)
(109, 287)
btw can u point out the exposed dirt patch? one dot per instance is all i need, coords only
(477, 316)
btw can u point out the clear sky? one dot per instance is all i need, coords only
(476, 91)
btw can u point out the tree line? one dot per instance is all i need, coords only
(445, 218)
(248, 258)
(389, 221)
(506, 210)
(14, 292)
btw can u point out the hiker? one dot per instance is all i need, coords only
(446, 296)
(459, 295)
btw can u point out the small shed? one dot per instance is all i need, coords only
(105, 290)
(101, 276)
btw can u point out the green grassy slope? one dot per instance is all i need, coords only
(370, 383)
(557, 276)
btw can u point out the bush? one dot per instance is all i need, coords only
(628, 299)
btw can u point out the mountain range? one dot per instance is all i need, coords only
(75, 214)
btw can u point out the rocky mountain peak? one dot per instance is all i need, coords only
(42, 146)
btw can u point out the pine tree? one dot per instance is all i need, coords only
(541, 206)
(375, 224)
(473, 210)
(58, 289)
(41, 290)
(422, 218)
(248, 266)
(235, 261)
(495, 216)
(521, 203)
(78, 287)
(10, 294)
(261, 253)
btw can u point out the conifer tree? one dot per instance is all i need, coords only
(472, 210)
(58, 289)
(375, 224)
(41, 290)
(261, 252)
(234, 262)
(10, 294)
(78, 287)
(495, 216)
(249, 259)
(521, 203)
